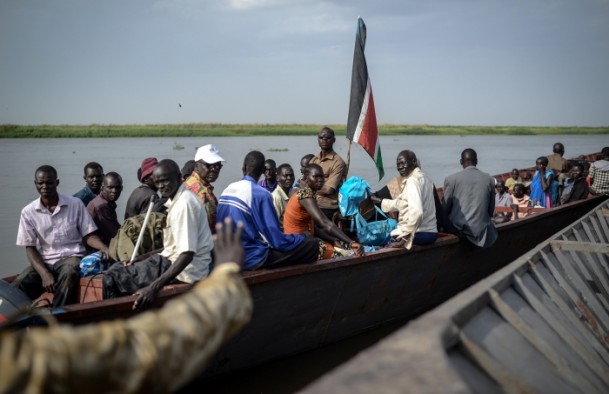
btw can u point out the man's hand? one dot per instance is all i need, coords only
(357, 248)
(227, 243)
(375, 199)
(146, 297)
(396, 244)
(48, 282)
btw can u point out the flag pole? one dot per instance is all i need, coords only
(348, 156)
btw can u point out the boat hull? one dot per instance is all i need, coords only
(539, 324)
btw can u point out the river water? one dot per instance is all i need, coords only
(439, 156)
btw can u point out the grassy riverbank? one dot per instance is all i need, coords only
(226, 130)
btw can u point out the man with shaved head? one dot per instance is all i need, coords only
(469, 201)
(187, 245)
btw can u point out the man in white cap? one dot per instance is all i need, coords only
(208, 164)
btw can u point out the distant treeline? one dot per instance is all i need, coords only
(231, 130)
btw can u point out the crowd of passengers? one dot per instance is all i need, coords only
(285, 220)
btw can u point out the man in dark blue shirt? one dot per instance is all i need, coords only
(94, 174)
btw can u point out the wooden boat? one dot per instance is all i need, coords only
(303, 307)
(540, 324)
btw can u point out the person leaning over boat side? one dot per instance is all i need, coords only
(544, 184)
(93, 175)
(187, 245)
(576, 187)
(599, 174)
(103, 207)
(469, 201)
(303, 216)
(415, 205)
(266, 246)
(208, 164)
(281, 194)
(155, 352)
(335, 172)
(52, 228)
(304, 161)
(140, 198)
(269, 182)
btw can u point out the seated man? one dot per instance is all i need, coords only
(415, 204)
(265, 245)
(93, 176)
(281, 194)
(103, 207)
(576, 187)
(140, 197)
(303, 163)
(270, 175)
(187, 169)
(52, 229)
(502, 198)
(187, 245)
(512, 180)
(599, 174)
(208, 164)
(469, 201)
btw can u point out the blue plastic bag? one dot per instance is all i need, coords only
(351, 194)
(92, 264)
(376, 233)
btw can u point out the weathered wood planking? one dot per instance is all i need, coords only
(540, 324)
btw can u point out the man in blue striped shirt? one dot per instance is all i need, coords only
(264, 243)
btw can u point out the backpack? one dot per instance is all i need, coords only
(351, 194)
(122, 245)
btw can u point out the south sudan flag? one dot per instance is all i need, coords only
(361, 124)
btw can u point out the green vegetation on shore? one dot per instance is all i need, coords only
(231, 130)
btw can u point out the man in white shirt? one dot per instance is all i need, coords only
(187, 245)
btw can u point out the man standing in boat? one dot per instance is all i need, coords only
(94, 173)
(187, 245)
(52, 229)
(208, 164)
(335, 172)
(469, 201)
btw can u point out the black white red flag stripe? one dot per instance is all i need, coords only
(361, 124)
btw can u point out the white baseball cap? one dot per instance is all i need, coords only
(209, 154)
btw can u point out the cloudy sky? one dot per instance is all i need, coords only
(440, 62)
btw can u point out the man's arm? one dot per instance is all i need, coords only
(93, 241)
(147, 295)
(48, 280)
(107, 357)
(335, 178)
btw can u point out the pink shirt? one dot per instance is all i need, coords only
(57, 235)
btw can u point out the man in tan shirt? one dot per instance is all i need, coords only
(335, 172)
(155, 352)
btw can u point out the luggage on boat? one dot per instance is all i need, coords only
(351, 194)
